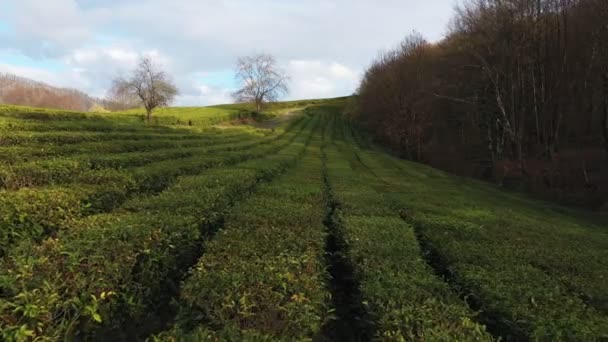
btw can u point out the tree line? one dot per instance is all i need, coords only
(26, 92)
(517, 91)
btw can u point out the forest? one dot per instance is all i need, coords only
(516, 93)
(17, 90)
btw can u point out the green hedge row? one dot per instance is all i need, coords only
(25, 137)
(536, 271)
(53, 171)
(404, 297)
(193, 116)
(108, 270)
(32, 151)
(263, 276)
(202, 121)
(40, 113)
(78, 124)
(47, 209)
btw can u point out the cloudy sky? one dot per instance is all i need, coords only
(324, 45)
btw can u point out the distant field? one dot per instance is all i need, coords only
(114, 230)
(197, 116)
(221, 113)
(172, 116)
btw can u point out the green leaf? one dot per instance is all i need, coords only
(97, 317)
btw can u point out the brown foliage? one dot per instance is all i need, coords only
(515, 80)
(21, 91)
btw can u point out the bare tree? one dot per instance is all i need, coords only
(149, 84)
(261, 80)
(118, 99)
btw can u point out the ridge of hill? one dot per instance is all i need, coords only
(17, 90)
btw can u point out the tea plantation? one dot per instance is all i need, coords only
(113, 230)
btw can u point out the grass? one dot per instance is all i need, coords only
(206, 116)
(190, 116)
(111, 229)
(43, 119)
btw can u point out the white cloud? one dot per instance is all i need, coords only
(72, 78)
(32, 73)
(342, 72)
(324, 44)
(308, 79)
(114, 57)
(315, 78)
(99, 65)
(50, 28)
(206, 96)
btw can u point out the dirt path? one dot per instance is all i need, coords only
(274, 123)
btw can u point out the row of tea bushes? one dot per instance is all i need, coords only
(108, 271)
(404, 297)
(534, 272)
(263, 276)
(30, 213)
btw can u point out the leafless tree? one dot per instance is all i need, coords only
(149, 84)
(117, 99)
(517, 88)
(261, 80)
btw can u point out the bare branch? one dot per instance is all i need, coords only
(261, 80)
(150, 85)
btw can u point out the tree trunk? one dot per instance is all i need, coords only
(258, 105)
(148, 115)
(605, 116)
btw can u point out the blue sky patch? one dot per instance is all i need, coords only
(220, 78)
(21, 60)
(4, 26)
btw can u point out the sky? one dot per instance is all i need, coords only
(323, 45)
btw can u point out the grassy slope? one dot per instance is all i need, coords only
(419, 240)
(534, 269)
(182, 116)
(189, 195)
(219, 113)
(441, 257)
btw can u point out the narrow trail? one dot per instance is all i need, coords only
(352, 321)
(274, 123)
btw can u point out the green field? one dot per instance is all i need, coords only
(205, 116)
(29, 118)
(175, 116)
(114, 230)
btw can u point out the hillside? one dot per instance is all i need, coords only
(115, 230)
(16, 90)
(196, 116)
(515, 93)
